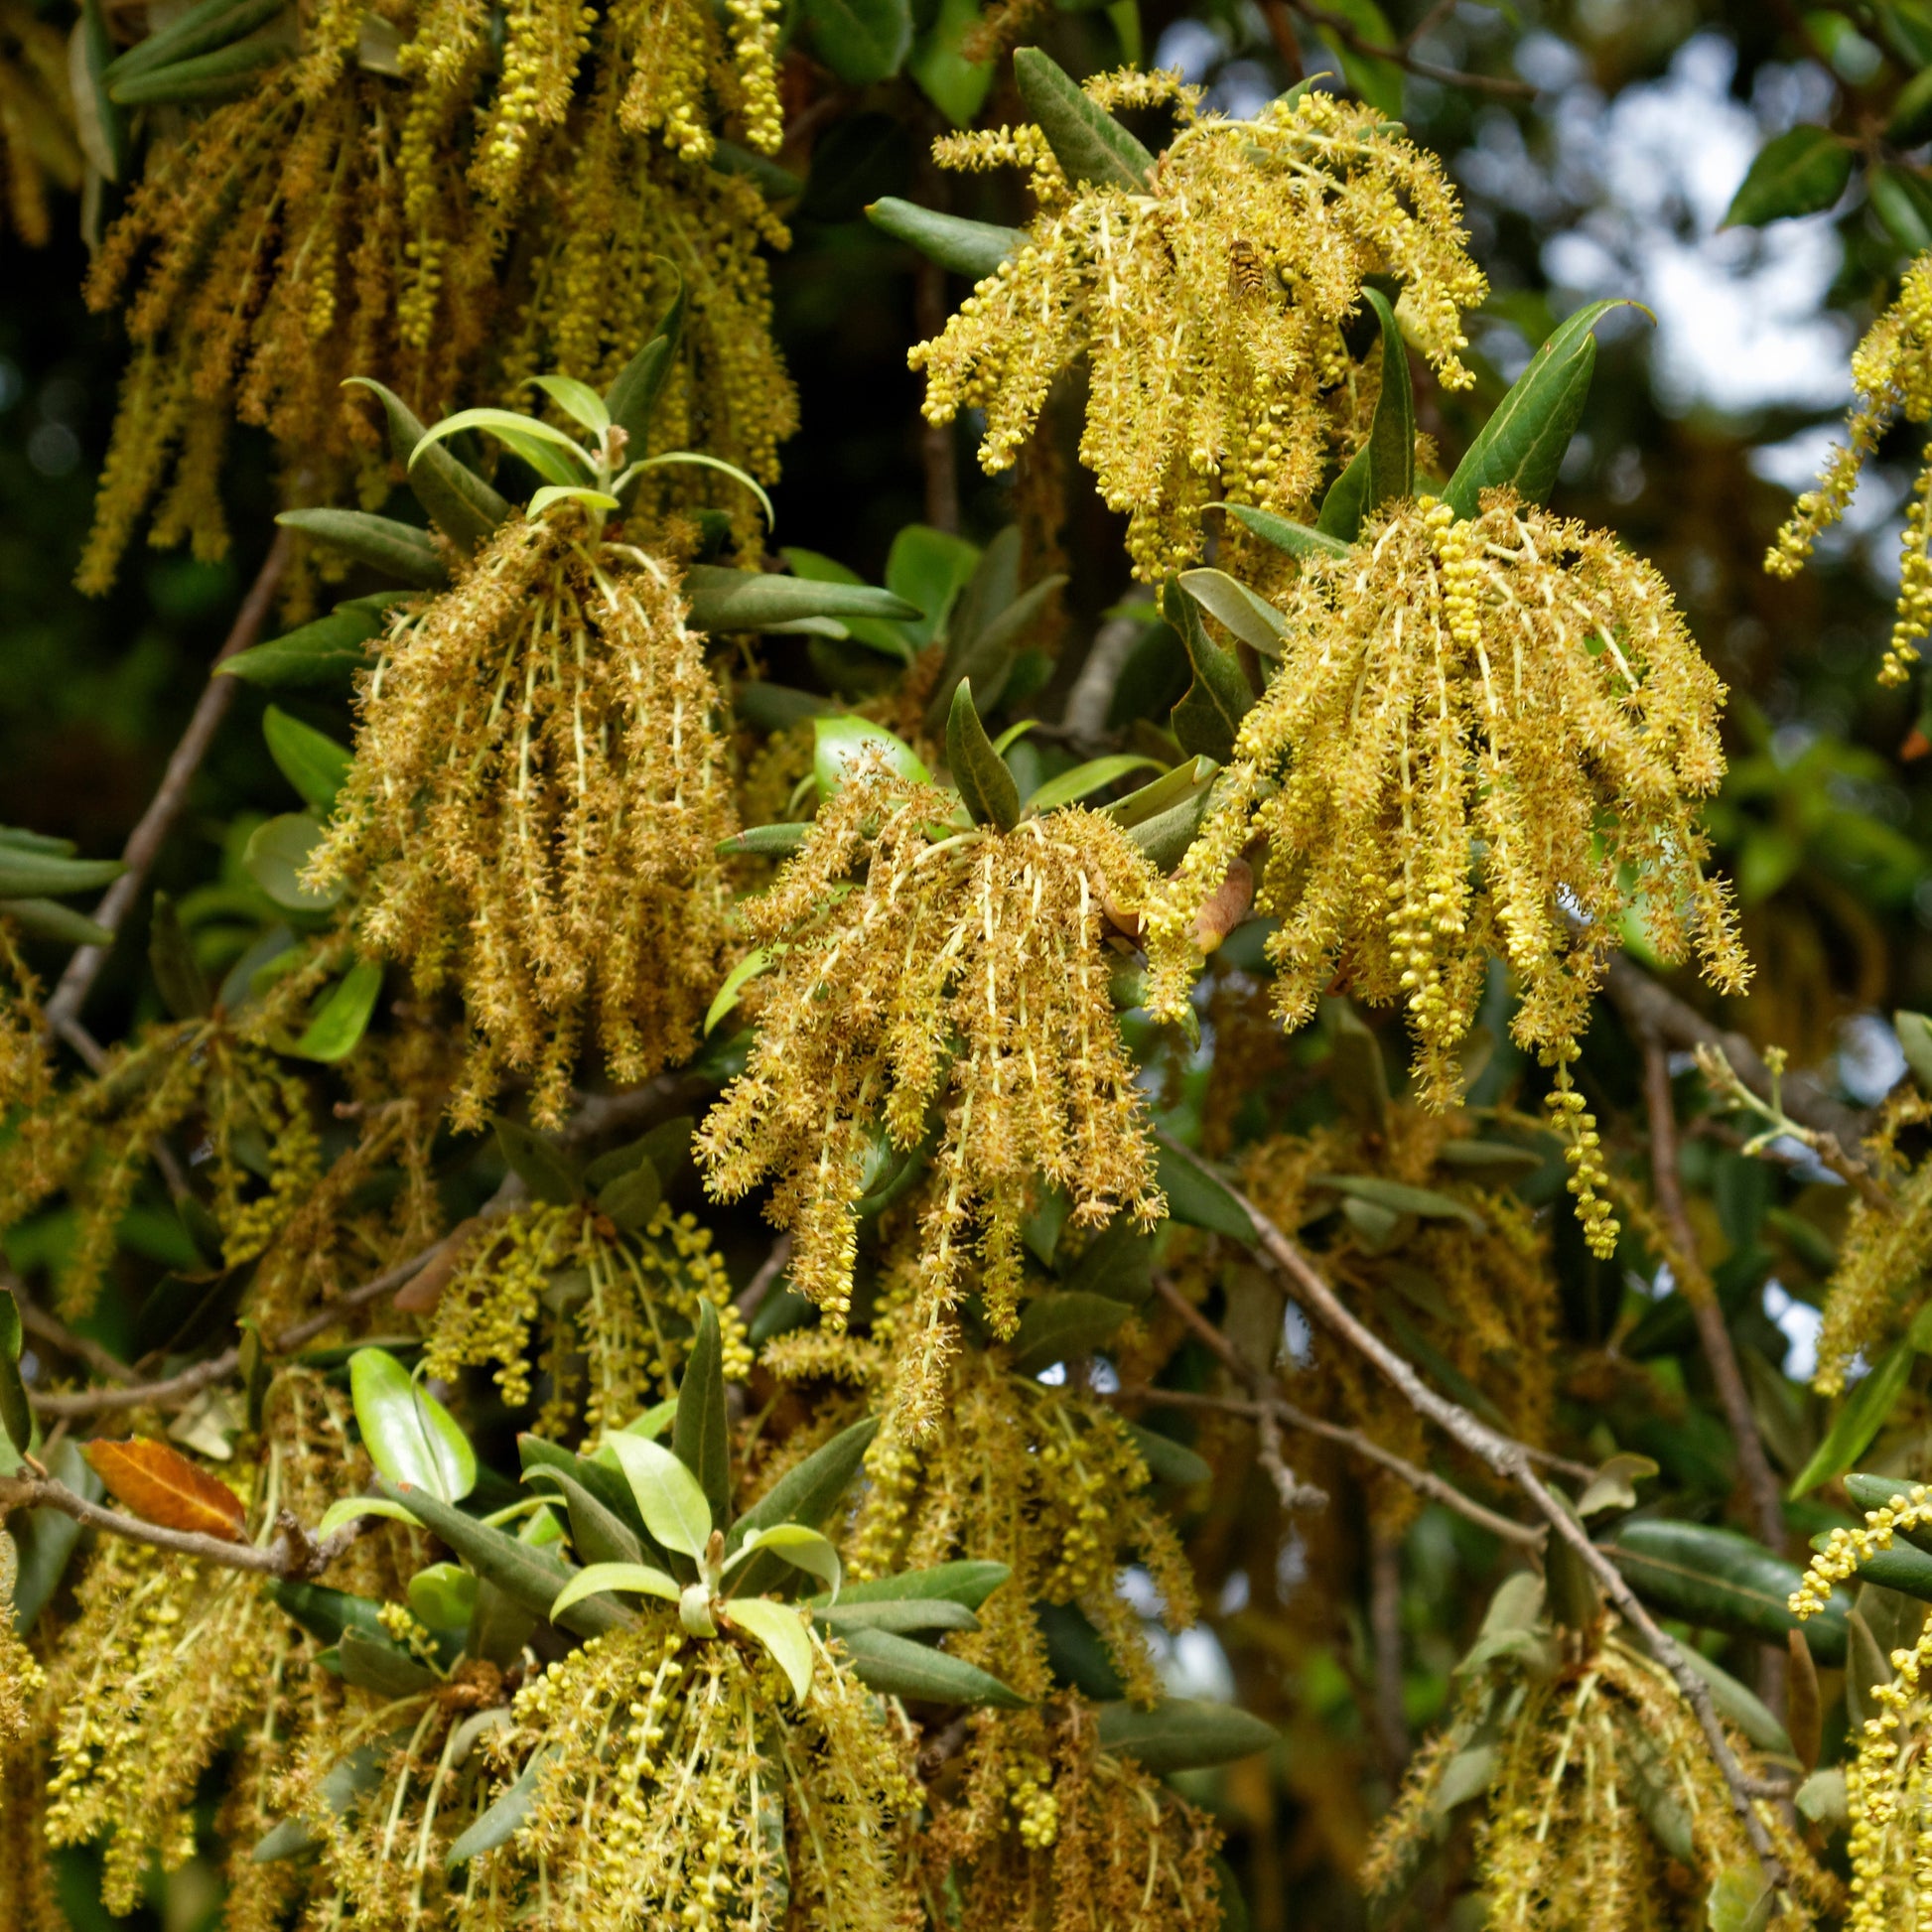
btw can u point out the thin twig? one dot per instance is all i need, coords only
(1351, 37)
(144, 843)
(1508, 1458)
(57, 1334)
(291, 1552)
(751, 1297)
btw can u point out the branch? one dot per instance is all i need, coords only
(751, 1297)
(290, 1553)
(1510, 1458)
(1767, 1502)
(1345, 30)
(144, 843)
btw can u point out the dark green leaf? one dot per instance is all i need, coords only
(606, 1485)
(901, 1616)
(1163, 818)
(596, 1534)
(968, 1583)
(895, 1666)
(1088, 143)
(379, 1664)
(44, 1538)
(539, 1162)
(1197, 1196)
(764, 841)
(501, 1822)
(1902, 198)
(1118, 1263)
(632, 398)
(323, 655)
(1860, 1417)
(326, 1615)
(1722, 1581)
(861, 41)
(1738, 1705)
(807, 1494)
(1340, 517)
(466, 508)
(208, 25)
(1298, 539)
(1172, 1462)
(1801, 172)
(983, 642)
(1521, 446)
(974, 249)
(633, 1198)
(1060, 1326)
(1911, 111)
(1400, 1198)
(1076, 1653)
(701, 1429)
(979, 773)
(743, 599)
(1883, 1493)
(1391, 447)
(98, 125)
(1210, 713)
(311, 761)
(43, 918)
(213, 75)
(16, 1412)
(1183, 1733)
(178, 975)
(26, 874)
(398, 550)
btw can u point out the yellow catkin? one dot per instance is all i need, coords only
(1207, 306)
(1891, 374)
(38, 148)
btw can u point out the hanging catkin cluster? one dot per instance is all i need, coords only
(537, 792)
(960, 991)
(38, 150)
(1208, 306)
(1892, 373)
(339, 220)
(1482, 737)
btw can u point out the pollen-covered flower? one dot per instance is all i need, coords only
(1891, 374)
(609, 1316)
(1208, 304)
(1482, 737)
(959, 992)
(538, 787)
(682, 1783)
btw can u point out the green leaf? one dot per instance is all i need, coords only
(1340, 517)
(410, 1437)
(670, 1499)
(1183, 1733)
(1914, 1031)
(807, 1494)
(44, 1538)
(743, 599)
(1084, 779)
(16, 1412)
(1910, 122)
(344, 1017)
(177, 976)
(632, 398)
(633, 1578)
(604, 1485)
(1237, 609)
(1860, 1417)
(954, 85)
(902, 1617)
(578, 400)
(974, 249)
(327, 1614)
(1210, 713)
(696, 460)
(311, 761)
(1076, 1653)
(275, 857)
(596, 1534)
(736, 981)
(28, 874)
(803, 1549)
(207, 76)
(968, 1583)
(1376, 80)
(764, 841)
(501, 1822)
(1737, 1704)
(466, 508)
(1741, 1899)
(980, 775)
(930, 568)
(631, 1199)
(555, 457)
(210, 23)
(895, 1666)
(1521, 446)
(398, 550)
(1172, 1462)
(1722, 1581)
(861, 41)
(323, 655)
(1801, 172)
(382, 1666)
(442, 1595)
(1061, 1325)
(98, 125)
(539, 1162)
(1902, 198)
(841, 743)
(1391, 446)
(1197, 1196)
(43, 919)
(1882, 1492)
(701, 1429)
(1400, 1198)
(551, 494)
(783, 1632)
(984, 652)
(1088, 143)
(1298, 539)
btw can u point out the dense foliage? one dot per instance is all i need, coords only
(1011, 1016)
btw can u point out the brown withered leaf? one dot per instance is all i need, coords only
(161, 1485)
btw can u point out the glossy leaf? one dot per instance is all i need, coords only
(551, 494)
(972, 248)
(1088, 143)
(1197, 1196)
(842, 744)
(783, 1633)
(160, 1486)
(701, 1429)
(343, 1018)
(903, 1617)
(1723, 1580)
(736, 981)
(742, 599)
(555, 457)
(803, 1549)
(409, 1435)
(968, 1583)
(1063, 1324)
(442, 1595)
(1860, 1417)
(603, 1483)
(398, 550)
(670, 1497)
(1210, 711)
(276, 855)
(461, 504)
(1298, 539)
(1800, 172)
(898, 1667)
(1237, 609)
(1521, 446)
(578, 400)
(633, 1578)
(979, 773)
(326, 1613)
(1183, 1733)
(596, 1534)
(16, 1412)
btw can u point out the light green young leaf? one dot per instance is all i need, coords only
(783, 1632)
(442, 1595)
(736, 981)
(731, 470)
(1085, 779)
(841, 743)
(347, 1509)
(344, 1017)
(553, 494)
(539, 443)
(1237, 609)
(803, 1549)
(578, 400)
(275, 857)
(635, 1579)
(410, 1437)
(670, 1497)
(1858, 1420)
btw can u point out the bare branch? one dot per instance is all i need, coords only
(1351, 37)
(144, 843)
